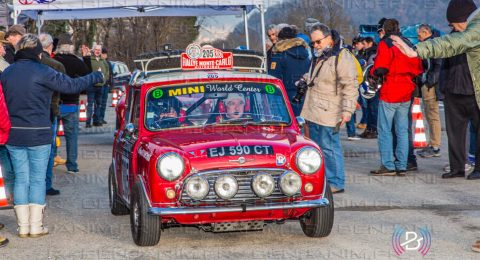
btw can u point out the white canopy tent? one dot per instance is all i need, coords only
(43, 10)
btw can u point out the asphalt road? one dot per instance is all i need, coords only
(81, 226)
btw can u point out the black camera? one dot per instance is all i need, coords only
(302, 87)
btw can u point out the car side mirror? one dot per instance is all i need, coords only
(130, 128)
(301, 121)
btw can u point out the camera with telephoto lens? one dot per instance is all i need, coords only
(302, 87)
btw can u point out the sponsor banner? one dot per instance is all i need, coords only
(206, 58)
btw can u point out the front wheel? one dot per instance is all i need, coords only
(318, 222)
(146, 229)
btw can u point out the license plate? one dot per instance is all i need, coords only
(238, 226)
(239, 150)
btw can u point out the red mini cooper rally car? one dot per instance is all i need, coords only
(216, 149)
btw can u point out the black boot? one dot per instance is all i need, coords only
(452, 174)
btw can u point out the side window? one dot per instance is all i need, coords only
(115, 69)
(128, 105)
(135, 115)
(124, 68)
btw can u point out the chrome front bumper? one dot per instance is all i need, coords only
(212, 209)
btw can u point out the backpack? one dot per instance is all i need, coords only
(357, 65)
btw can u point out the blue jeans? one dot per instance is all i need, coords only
(7, 170)
(94, 100)
(412, 158)
(363, 105)
(103, 108)
(390, 114)
(69, 116)
(351, 132)
(372, 112)
(30, 167)
(49, 174)
(332, 153)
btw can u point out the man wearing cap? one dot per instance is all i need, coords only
(3, 45)
(14, 34)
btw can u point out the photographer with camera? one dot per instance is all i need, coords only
(331, 88)
(397, 72)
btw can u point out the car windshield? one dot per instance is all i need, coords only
(242, 103)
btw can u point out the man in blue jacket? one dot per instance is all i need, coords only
(289, 62)
(28, 86)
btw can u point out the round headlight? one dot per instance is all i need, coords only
(170, 166)
(226, 187)
(290, 183)
(263, 185)
(308, 160)
(197, 188)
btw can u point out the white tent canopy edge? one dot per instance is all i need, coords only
(42, 10)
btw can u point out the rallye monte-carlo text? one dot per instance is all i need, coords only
(219, 150)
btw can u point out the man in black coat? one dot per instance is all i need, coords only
(69, 107)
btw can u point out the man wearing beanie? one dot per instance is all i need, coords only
(289, 62)
(464, 17)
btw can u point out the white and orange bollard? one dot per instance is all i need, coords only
(419, 138)
(60, 131)
(82, 115)
(114, 99)
(3, 191)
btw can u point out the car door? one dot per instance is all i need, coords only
(127, 138)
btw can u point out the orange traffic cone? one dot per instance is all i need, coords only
(3, 192)
(420, 138)
(82, 116)
(60, 131)
(114, 99)
(120, 93)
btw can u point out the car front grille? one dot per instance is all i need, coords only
(245, 194)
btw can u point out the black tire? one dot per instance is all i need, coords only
(318, 222)
(146, 229)
(116, 205)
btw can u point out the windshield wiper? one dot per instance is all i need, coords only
(267, 122)
(235, 121)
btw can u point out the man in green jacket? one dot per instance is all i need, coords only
(466, 41)
(95, 95)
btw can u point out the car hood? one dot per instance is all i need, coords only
(217, 150)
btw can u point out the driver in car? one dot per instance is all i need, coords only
(165, 113)
(235, 106)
